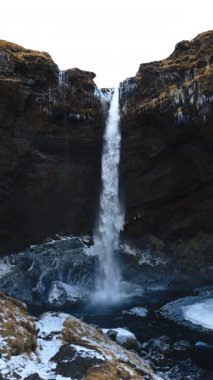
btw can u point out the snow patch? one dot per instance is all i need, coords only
(138, 311)
(148, 258)
(200, 313)
(51, 323)
(88, 352)
(49, 341)
(5, 267)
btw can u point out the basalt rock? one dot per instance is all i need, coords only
(167, 143)
(50, 149)
(56, 274)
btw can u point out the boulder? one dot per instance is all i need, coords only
(182, 345)
(124, 337)
(118, 363)
(160, 345)
(63, 295)
(55, 274)
(34, 376)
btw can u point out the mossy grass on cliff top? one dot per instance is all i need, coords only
(21, 52)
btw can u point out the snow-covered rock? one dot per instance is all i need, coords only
(64, 295)
(64, 347)
(124, 337)
(50, 274)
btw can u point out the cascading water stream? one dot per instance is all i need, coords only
(110, 219)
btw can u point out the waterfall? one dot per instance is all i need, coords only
(62, 85)
(110, 219)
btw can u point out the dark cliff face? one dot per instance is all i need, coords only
(51, 141)
(50, 150)
(167, 143)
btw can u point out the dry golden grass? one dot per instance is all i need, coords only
(120, 364)
(21, 54)
(16, 327)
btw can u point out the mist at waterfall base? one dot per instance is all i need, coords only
(110, 218)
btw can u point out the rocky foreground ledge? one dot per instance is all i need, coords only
(58, 346)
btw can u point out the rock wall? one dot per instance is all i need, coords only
(51, 140)
(50, 149)
(167, 143)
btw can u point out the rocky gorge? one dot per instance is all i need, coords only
(51, 125)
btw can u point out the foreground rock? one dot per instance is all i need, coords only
(66, 348)
(166, 157)
(51, 141)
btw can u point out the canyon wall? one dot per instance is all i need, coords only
(167, 143)
(51, 128)
(50, 148)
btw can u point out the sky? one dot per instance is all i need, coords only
(108, 37)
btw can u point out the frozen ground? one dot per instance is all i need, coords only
(200, 313)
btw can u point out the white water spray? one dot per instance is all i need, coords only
(110, 219)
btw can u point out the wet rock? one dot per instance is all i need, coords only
(161, 345)
(186, 369)
(182, 345)
(204, 346)
(160, 360)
